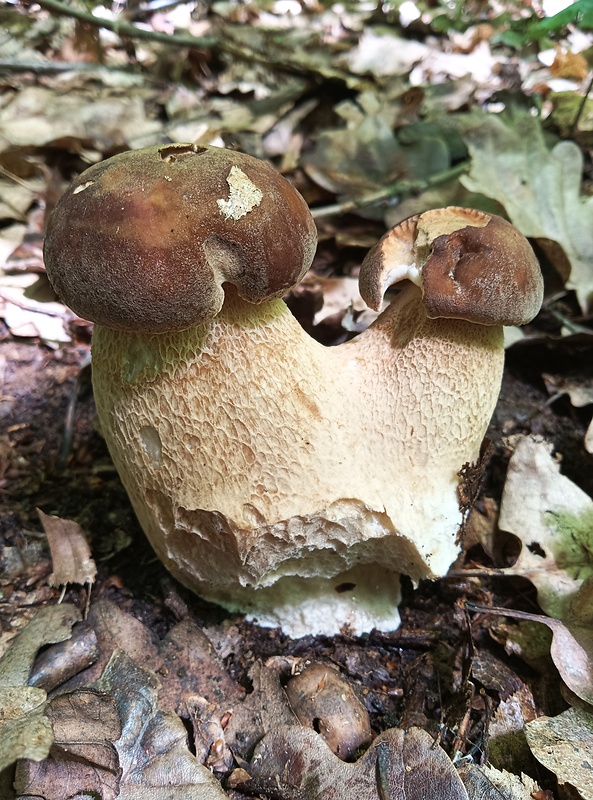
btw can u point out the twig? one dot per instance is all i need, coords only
(390, 191)
(581, 108)
(48, 67)
(68, 434)
(12, 177)
(126, 28)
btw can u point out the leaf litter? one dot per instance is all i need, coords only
(367, 114)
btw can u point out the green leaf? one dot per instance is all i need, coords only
(539, 188)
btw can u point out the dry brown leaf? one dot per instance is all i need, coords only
(82, 758)
(193, 667)
(571, 649)
(487, 783)
(70, 552)
(569, 65)
(152, 749)
(293, 762)
(115, 629)
(564, 745)
(265, 709)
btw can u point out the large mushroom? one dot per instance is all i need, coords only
(271, 474)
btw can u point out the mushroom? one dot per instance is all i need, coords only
(271, 474)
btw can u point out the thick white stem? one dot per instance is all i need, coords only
(255, 457)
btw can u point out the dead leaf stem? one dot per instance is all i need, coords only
(403, 188)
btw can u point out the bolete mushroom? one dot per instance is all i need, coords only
(271, 474)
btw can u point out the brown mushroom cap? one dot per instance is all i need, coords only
(144, 240)
(469, 264)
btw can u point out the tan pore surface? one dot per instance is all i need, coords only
(257, 458)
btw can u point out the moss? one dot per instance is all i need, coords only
(573, 540)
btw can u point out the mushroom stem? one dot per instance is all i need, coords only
(339, 467)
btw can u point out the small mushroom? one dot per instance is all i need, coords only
(271, 474)
(324, 700)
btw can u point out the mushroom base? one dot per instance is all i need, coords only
(331, 572)
(352, 602)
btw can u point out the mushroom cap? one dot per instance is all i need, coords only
(470, 265)
(144, 240)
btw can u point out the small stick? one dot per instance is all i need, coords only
(387, 192)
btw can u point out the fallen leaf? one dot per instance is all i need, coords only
(367, 154)
(579, 389)
(29, 736)
(50, 625)
(488, 783)
(265, 709)
(25, 730)
(553, 518)
(383, 54)
(569, 65)
(539, 188)
(293, 762)
(70, 552)
(571, 649)
(564, 745)
(193, 668)
(83, 757)
(153, 754)
(38, 116)
(116, 630)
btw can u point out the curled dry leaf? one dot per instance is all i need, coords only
(553, 518)
(50, 625)
(152, 749)
(579, 389)
(70, 552)
(116, 629)
(56, 664)
(571, 650)
(564, 745)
